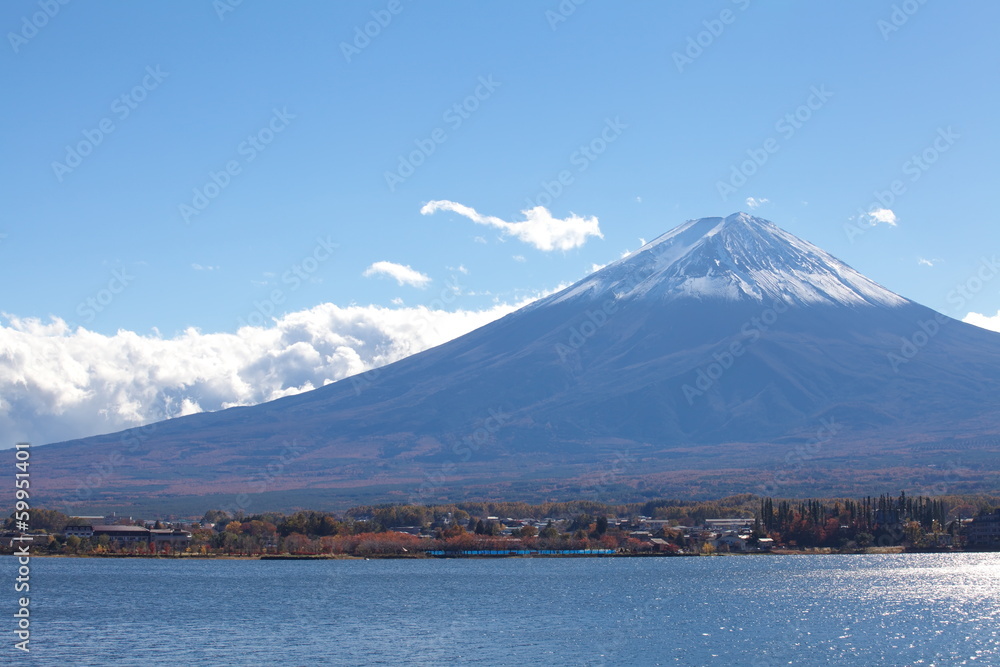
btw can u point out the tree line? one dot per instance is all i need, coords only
(839, 523)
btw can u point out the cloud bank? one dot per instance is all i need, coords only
(58, 383)
(985, 321)
(538, 228)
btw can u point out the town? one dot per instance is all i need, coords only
(742, 524)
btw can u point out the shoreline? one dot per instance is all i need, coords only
(871, 551)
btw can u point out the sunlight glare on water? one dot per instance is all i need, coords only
(918, 609)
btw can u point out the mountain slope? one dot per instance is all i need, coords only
(702, 360)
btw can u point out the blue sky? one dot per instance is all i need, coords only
(670, 98)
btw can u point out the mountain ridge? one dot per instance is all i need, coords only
(730, 240)
(548, 396)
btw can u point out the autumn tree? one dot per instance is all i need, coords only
(50, 521)
(527, 532)
(216, 516)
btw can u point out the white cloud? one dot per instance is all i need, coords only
(200, 267)
(479, 239)
(885, 215)
(754, 203)
(519, 258)
(991, 322)
(58, 383)
(538, 228)
(404, 275)
(922, 261)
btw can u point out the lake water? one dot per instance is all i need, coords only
(754, 610)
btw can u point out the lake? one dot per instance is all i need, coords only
(919, 609)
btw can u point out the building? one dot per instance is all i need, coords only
(172, 537)
(984, 530)
(122, 534)
(719, 525)
(155, 537)
(663, 546)
(731, 542)
(82, 530)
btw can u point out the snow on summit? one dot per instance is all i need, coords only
(735, 258)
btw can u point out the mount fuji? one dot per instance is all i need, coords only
(725, 356)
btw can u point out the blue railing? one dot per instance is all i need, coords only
(523, 552)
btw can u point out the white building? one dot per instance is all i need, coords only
(731, 542)
(728, 524)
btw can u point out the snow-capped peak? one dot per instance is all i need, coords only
(735, 258)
